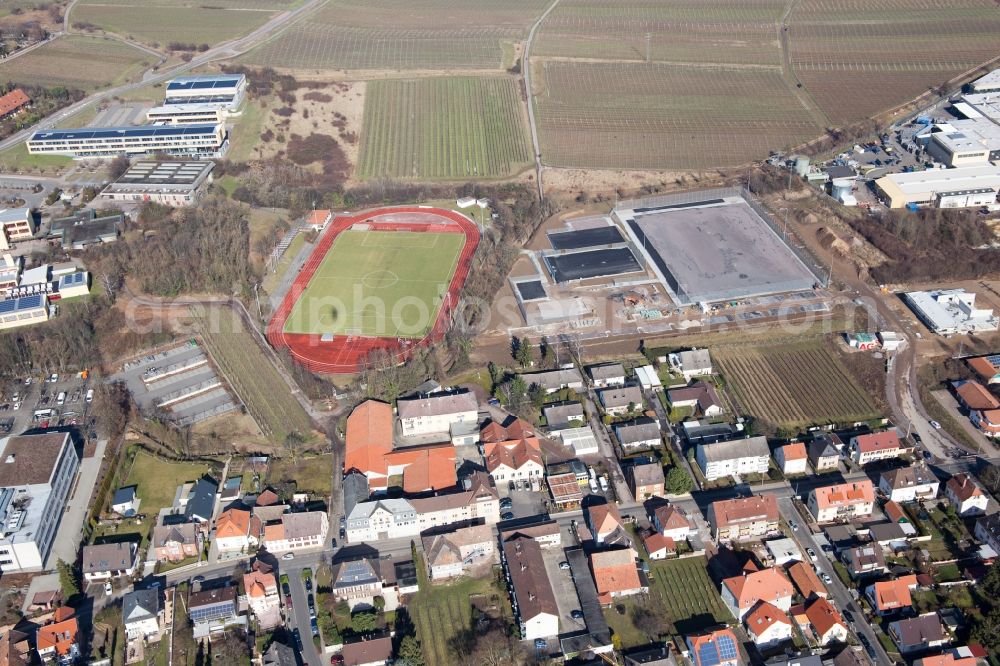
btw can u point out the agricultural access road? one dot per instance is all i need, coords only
(526, 66)
(224, 51)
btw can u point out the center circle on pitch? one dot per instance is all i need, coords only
(380, 279)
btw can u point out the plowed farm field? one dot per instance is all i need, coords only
(789, 387)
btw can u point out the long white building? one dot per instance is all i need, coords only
(437, 412)
(186, 114)
(945, 188)
(394, 518)
(733, 458)
(951, 311)
(225, 91)
(36, 474)
(201, 140)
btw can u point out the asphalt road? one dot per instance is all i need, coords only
(838, 592)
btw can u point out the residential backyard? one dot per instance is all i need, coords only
(312, 474)
(156, 482)
(442, 613)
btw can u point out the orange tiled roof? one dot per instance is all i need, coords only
(494, 432)
(976, 396)
(891, 594)
(844, 494)
(369, 437)
(671, 517)
(58, 635)
(946, 659)
(982, 367)
(605, 518)
(963, 487)
(823, 616)
(794, 451)
(274, 532)
(763, 617)
(764, 585)
(232, 523)
(13, 101)
(514, 453)
(614, 571)
(806, 580)
(877, 441)
(257, 584)
(654, 542)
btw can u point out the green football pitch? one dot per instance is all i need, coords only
(378, 283)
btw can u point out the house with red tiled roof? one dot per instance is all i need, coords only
(890, 596)
(742, 593)
(713, 648)
(827, 624)
(768, 625)
(605, 524)
(792, 458)
(233, 533)
(261, 588)
(369, 450)
(985, 369)
(946, 659)
(658, 546)
(973, 396)
(806, 581)
(671, 521)
(615, 575)
(14, 101)
(966, 496)
(876, 446)
(512, 452)
(59, 640)
(842, 501)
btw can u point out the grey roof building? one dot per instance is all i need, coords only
(140, 605)
(78, 231)
(620, 397)
(560, 414)
(201, 501)
(640, 432)
(554, 380)
(437, 404)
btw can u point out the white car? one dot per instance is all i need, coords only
(108, 590)
(288, 556)
(826, 578)
(935, 425)
(812, 553)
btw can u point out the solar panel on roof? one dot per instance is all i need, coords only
(727, 649)
(32, 301)
(8, 306)
(708, 655)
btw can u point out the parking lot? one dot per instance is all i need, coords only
(564, 588)
(179, 380)
(46, 402)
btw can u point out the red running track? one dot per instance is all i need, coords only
(345, 354)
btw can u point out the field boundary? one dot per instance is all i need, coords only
(345, 354)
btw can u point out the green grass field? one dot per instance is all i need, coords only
(57, 63)
(443, 128)
(378, 283)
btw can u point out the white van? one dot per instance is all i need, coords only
(90, 395)
(62, 398)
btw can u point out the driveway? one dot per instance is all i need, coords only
(299, 618)
(564, 588)
(948, 401)
(70, 530)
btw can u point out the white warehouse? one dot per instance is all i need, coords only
(944, 188)
(950, 311)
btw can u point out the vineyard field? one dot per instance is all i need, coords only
(789, 387)
(402, 35)
(660, 116)
(707, 31)
(251, 374)
(443, 128)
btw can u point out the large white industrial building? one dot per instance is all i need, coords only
(224, 91)
(960, 143)
(208, 140)
(951, 311)
(944, 188)
(186, 114)
(987, 84)
(36, 475)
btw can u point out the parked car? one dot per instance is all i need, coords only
(288, 556)
(826, 578)
(812, 553)
(935, 425)
(577, 614)
(506, 502)
(541, 644)
(298, 639)
(506, 515)
(794, 525)
(564, 565)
